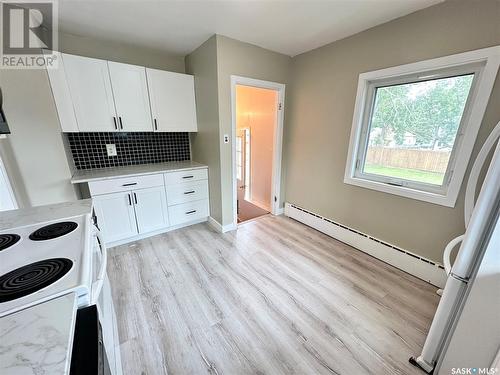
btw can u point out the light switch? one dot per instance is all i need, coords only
(111, 150)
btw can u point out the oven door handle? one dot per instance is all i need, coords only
(97, 284)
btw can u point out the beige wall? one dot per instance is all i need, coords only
(243, 59)
(101, 49)
(34, 153)
(205, 143)
(319, 117)
(256, 110)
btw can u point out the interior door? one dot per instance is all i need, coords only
(240, 167)
(172, 101)
(151, 209)
(91, 94)
(131, 96)
(115, 216)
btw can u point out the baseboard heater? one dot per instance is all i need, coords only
(405, 260)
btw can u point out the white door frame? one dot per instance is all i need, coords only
(278, 139)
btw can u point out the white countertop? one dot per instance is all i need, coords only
(39, 340)
(42, 214)
(87, 175)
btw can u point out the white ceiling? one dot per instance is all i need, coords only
(289, 27)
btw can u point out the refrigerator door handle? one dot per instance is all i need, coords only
(447, 253)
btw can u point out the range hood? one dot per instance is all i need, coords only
(4, 127)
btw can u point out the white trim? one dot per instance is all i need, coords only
(218, 227)
(490, 57)
(407, 261)
(154, 233)
(278, 141)
(8, 185)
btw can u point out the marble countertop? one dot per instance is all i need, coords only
(39, 339)
(42, 214)
(88, 175)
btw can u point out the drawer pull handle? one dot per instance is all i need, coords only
(190, 212)
(130, 184)
(189, 192)
(187, 176)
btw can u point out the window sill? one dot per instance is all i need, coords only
(447, 200)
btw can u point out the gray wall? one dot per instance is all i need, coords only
(130, 54)
(228, 57)
(320, 108)
(243, 59)
(205, 143)
(34, 153)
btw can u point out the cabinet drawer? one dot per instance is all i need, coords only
(188, 192)
(125, 184)
(185, 212)
(172, 178)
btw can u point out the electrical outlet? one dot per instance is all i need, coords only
(111, 150)
(226, 138)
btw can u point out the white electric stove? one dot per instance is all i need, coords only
(42, 261)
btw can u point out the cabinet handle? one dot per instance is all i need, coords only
(135, 198)
(130, 184)
(190, 212)
(156, 124)
(187, 176)
(120, 120)
(114, 122)
(129, 200)
(189, 192)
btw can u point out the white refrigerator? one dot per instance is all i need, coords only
(470, 280)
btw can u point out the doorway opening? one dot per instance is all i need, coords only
(257, 129)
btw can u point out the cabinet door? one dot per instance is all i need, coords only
(90, 90)
(151, 209)
(172, 101)
(115, 216)
(130, 91)
(62, 96)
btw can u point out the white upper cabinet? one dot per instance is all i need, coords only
(62, 96)
(90, 89)
(93, 95)
(130, 91)
(172, 101)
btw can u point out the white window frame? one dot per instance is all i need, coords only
(484, 63)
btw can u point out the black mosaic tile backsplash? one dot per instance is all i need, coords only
(89, 149)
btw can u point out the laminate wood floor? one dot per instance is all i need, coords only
(274, 297)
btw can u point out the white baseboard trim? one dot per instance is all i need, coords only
(219, 227)
(154, 233)
(280, 211)
(407, 261)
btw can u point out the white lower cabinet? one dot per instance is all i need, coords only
(115, 216)
(186, 212)
(129, 207)
(150, 209)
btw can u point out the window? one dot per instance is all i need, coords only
(415, 125)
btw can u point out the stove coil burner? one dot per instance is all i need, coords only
(7, 240)
(32, 277)
(53, 231)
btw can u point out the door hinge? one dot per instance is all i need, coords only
(275, 199)
(280, 106)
